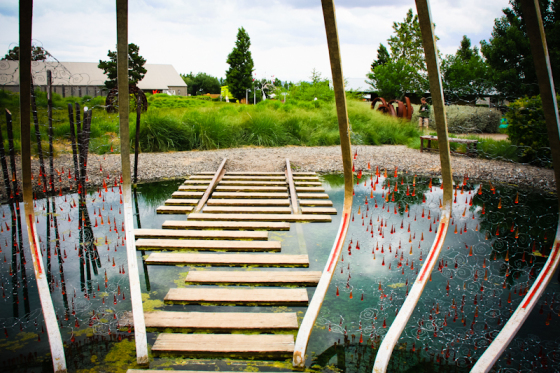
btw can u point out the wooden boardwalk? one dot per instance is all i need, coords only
(229, 214)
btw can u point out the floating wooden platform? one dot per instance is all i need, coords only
(193, 187)
(309, 189)
(174, 209)
(313, 195)
(197, 181)
(261, 296)
(248, 202)
(170, 244)
(188, 234)
(186, 194)
(249, 195)
(280, 344)
(262, 217)
(242, 188)
(315, 202)
(226, 225)
(253, 277)
(247, 210)
(230, 177)
(216, 321)
(231, 260)
(252, 183)
(306, 178)
(318, 210)
(181, 202)
(311, 183)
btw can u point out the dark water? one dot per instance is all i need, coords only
(472, 293)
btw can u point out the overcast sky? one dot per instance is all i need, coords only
(287, 37)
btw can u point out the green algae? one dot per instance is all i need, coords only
(120, 358)
(150, 305)
(21, 340)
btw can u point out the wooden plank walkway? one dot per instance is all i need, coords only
(247, 210)
(227, 225)
(253, 277)
(170, 244)
(248, 202)
(262, 217)
(255, 296)
(231, 260)
(181, 202)
(174, 209)
(188, 234)
(249, 195)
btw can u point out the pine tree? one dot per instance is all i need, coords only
(382, 57)
(239, 74)
(136, 69)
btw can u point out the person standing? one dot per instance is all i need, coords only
(424, 115)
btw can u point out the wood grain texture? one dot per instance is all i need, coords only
(197, 295)
(227, 225)
(224, 343)
(198, 234)
(262, 217)
(254, 173)
(246, 210)
(174, 209)
(249, 195)
(304, 174)
(220, 321)
(253, 182)
(318, 210)
(306, 178)
(241, 188)
(313, 195)
(232, 177)
(187, 194)
(170, 244)
(309, 183)
(193, 188)
(196, 181)
(253, 277)
(315, 202)
(181, 202)
(309, 189)
(248, 202)
(233, 260)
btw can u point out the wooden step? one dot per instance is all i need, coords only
(252, 182)
(196, 181)
(188, 234)
(308, 189)
(246, 210)
(241, 188)
(313, 195)
(311, 183)
(231, 260)
(248, 202)
(318, 210)
(249, 195)
(315, 202)
(202, 177)
(230, 296)
(174, 209)
(171, 244)
(192, 187)
(254, 173)
(181, 202)
(228, 225)
(224, 344)
(253, 277)
(230, 177)
(216, 321)
(262, 217)
(306, 178)
(304, 173)
(186, 194)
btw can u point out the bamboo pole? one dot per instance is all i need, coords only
(73, 142)
(5, 171)
(436, 90)
(343, 126)
(122, 78)
(49, 315)
(49, 117)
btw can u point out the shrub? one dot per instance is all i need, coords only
(466, 119)
(527, 129)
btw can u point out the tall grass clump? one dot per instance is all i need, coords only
(160, 132)
(466, 119)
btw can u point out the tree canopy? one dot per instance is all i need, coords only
(508, 51)
(201, 83)
(239, 75)
(37, 54)
(136, 69)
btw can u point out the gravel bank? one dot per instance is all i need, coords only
(160, 166)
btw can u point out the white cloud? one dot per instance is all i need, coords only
(288, 37)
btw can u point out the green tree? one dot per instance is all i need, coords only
(201, 83)
(466, 72)
(239, 75)
(404, 69)
(136, 70)
(508, 51)
(37, 54)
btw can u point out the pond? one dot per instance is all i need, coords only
(499, 239)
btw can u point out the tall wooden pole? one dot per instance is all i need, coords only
(55, 340)
(344, 130)
(122, 80)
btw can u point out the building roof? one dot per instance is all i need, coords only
(159, 76)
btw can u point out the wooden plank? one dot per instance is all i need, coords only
(247, 210)
(313, 195)
(306, 178)
(262, 217)
(188, 234)
(252, 344)
(310, 183)
(202, 177)
(195, 181)
(181, 202)
(174, 209)
(309, 189)
(254, 173)
(171, 244)
(230, 260)
(253, 277)
(216, 321)
(197, 295)
(253, 183)
(193, 188)
(293, 195)
(249, 195)
(241, 188)
(237, 225)
(315, 202)
(304, 173)
(230, 177)
(215, 180)
(248, 202)
(318, 210)
(186, 194)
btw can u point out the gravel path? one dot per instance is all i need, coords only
(161, 166)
